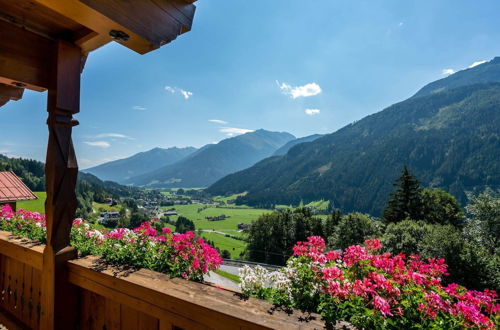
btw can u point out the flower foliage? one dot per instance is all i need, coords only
(179, 255)
(372, 290)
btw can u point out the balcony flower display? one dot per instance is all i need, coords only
(179, 255)
(371, 290)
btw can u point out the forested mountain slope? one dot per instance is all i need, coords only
(449, 139)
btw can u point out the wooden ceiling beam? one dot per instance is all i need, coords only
(148, 24)
(24, 58)
(13, 93)
(10, 93)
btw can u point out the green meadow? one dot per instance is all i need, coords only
(37, 205)
(235, 214)
(106, 207)
(234, 246)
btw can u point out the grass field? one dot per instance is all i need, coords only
(229, 199)
(232, 277)
(198, 212)
(105, 207)
(235, 214)
(234, 246)
(37, 205)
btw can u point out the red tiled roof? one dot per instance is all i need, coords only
(13, 189)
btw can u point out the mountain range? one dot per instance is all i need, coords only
(448, 134)
(214, 161)
(284, 149)
(123, 169)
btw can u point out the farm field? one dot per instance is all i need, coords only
(234, 246)
(235, 214)
(106, 207)
(37, 205)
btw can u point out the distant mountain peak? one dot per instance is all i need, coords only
(214, 161)
(140, 163)
(487, 72)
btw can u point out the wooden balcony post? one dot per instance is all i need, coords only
(59, 300)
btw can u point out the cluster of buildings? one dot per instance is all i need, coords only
(217, 218)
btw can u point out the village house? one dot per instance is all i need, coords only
(12, 190)
(217, 218)
(109, 216)
(169, 213)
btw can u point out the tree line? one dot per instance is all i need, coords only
(426, 221)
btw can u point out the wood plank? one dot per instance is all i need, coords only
(129, 318)
(85, 315)
(179, 10)
(36, 295)
(25, 296)
(64, 92)
(13, 93)
(98, 22)
(133, 302)
(24, 57)
(97, 310)
(18, 279)
(29, 253)
(39, 19)
(112, 314)
(144, 17)
(193, 301)
(147, 322)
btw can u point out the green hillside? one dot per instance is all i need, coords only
(37, 205)
(450, 140)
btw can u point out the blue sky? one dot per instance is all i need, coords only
(299, 66)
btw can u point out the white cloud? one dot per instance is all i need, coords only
(447, 72)
(476, 64)
(231, 131)
(139, 107)
(4, 151)
(186, 94)
(100, 144)
(170, 89)
(111, 135)
(218, 121)
(312, 112)
(306, 90)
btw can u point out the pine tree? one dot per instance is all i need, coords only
(405, 201)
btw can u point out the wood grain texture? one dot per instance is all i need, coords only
(16, 281)
(59, 298)
(24, 57)
(175, 300)
(30, 253)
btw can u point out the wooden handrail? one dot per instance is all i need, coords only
(182, 302)
(159, 301)
(22, 250)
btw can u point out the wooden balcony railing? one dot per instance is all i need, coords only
(118, 298)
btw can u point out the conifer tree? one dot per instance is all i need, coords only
(405, 201)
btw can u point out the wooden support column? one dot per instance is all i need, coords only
(59, 298)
